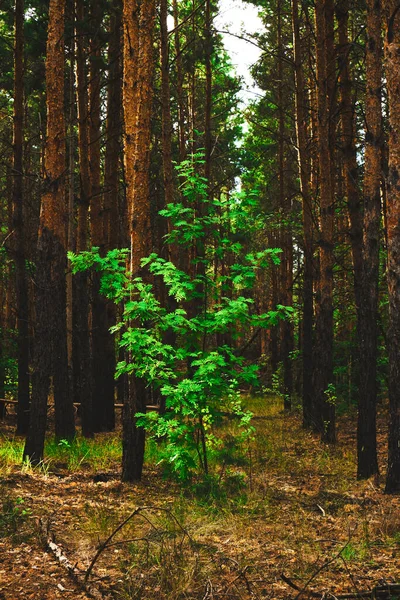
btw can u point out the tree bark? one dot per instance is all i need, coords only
(103, 382)
(323, 369)
(112, 175)
(113, 130)
(166, 108)
(2, 352)
(139, 20)
(51, 359)
(286, 270)
(71, 204)
(349, 153)
(304, 162)
(179, 84)
(367, 461)
(392, 70)
(21, 283)
(208, 93)
(82, 350)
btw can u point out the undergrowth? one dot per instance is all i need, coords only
(278, 501)
(99, 454)
(14, 519)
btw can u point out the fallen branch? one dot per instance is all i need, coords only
(75, 574)
(140, 509)
(326, 564)
(380, 592)
(297, 588)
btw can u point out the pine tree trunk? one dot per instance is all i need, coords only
(166, 107)
(21, 283)
(305, 178)
(179, 85)
(392, 70)
(71, 205)
(81, 333)
(350, 168)
(367, 461)
(273, 341)
(208, 93)
(113, 130)
(2, 353)
(103, 386)
(323, 368)
(139, 20)
(286, 271)
(112, 175)
(51, 359)
(170, 335)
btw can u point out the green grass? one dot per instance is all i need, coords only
(235, 465)
(99, 454)
(10, 454)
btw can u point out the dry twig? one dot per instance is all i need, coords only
(75, 574)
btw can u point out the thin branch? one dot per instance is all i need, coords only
(186, 19)
(137, 511)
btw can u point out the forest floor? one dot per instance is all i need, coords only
(289, 505)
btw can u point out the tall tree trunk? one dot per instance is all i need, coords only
(367, 461)
(21, 283)
(71, 205)
(81, 333)
(51, 359)
(350, 168)
(166, 107)
(2, 351)
(273, 301)
(103, 388)
(139, 19)
(323, 369)
(113, 130)
(166, 137)
(179, 84)
(286, 271)
(112, 175)
(170, 335)
(392, 70)
(208, 93)
(304, 161)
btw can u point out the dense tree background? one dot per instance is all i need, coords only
(93, 122)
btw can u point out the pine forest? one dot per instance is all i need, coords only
(200, 299)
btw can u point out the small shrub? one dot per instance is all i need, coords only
(13, 518)
(200, 373)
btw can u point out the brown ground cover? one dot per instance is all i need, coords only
(286, 505)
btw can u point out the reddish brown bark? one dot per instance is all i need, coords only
(349, 154)
(51, 359)
(71, 205)
(139, 20)
(392, 70)
(323, 368)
